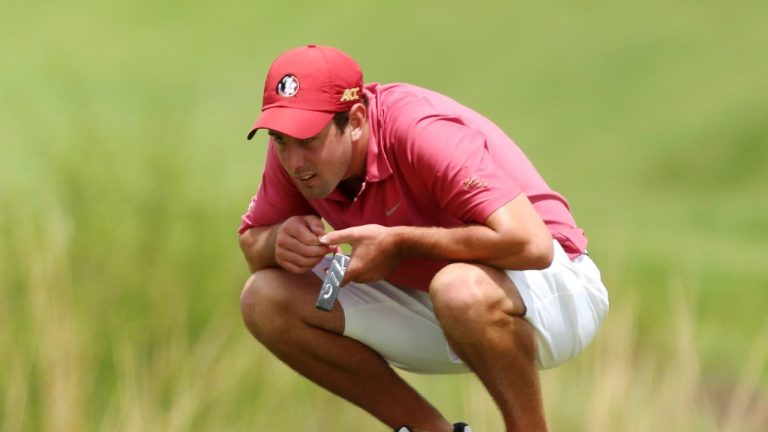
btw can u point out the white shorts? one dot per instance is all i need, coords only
(566, 303)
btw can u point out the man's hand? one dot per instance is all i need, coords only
(374, 252)
(297, 248)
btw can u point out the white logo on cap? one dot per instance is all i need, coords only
(288, 86)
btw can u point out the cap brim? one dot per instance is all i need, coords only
(296, 123)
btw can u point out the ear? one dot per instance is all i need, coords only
(358, 120)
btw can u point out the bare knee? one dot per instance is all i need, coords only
(474, 303)
(455, 290)
(265, 305)
(473, 292)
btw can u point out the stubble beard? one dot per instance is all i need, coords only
(318, 191)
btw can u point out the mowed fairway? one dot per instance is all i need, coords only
(124, 170)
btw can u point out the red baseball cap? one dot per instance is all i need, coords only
(305, 87)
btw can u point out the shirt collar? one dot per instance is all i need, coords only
(378, 166)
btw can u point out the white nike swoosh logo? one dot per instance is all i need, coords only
(389, 212)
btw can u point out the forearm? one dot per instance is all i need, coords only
(512, 237)
(472, 243)
(258, 246)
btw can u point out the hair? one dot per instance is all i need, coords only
(341, 119)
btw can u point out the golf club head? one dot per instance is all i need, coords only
(332, 282)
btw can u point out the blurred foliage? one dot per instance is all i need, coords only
(124, 169)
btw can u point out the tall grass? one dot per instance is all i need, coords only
(56, 379)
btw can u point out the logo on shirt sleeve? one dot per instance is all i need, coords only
(474, 183)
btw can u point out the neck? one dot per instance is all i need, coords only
(351, 187)
(355, 178)
(360, 155)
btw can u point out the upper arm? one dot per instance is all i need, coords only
(454, 163)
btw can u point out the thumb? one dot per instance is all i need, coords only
(315, 224)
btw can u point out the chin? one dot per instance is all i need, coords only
(315, 193)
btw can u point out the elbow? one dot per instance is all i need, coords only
(531, 255)
(246, 242)
(244, 247)
(258, 247)
(539, 254)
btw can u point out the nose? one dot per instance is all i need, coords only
(293, 158)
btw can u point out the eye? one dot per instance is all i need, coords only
(308, 141)
(278, 139)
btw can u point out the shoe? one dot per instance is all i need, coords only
(457, 427)
(461, 427)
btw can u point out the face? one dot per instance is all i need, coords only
(317, 164)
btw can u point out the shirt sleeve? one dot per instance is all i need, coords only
(277, 198)
(454, 162)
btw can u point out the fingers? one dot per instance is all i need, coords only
(354, 235)
(297, 248)
(305, 229)
(307, 247)
(315, 225)
(295, 262)
(327, 239)
(336, 237)
(373, 257)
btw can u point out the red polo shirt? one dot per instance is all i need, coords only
(431, 162)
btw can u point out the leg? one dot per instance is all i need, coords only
(481, 313)
(278, 309)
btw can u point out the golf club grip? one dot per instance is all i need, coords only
(330, 288)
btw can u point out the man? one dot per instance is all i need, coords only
(462, 258)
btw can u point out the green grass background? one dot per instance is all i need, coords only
(124, 169)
